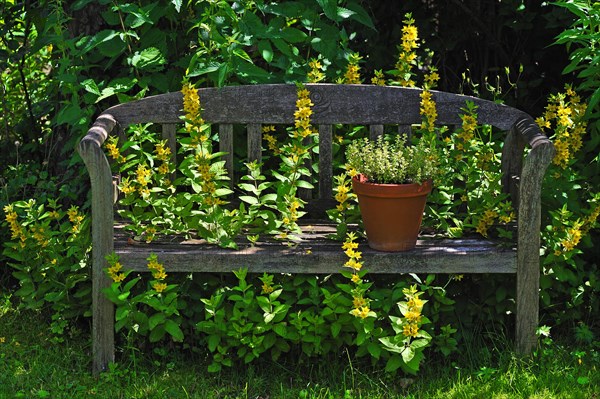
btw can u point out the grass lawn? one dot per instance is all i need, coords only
(33, 365)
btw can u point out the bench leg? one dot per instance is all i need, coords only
(103, 329)
(528, 282)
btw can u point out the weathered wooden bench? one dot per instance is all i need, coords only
(374, 106)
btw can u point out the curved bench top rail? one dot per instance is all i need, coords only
(333, 103)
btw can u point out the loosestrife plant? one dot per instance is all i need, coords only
(151, 311)
(409, 340)
(49, 252)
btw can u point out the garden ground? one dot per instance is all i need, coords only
(34, 365)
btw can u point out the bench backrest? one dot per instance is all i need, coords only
(374, 106)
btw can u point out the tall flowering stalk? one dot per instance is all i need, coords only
(294, 156)
(428, 109)
(407, 55)
(360, 303)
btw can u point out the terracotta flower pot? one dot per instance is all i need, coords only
(391, 213)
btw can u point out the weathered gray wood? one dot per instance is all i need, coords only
(325, 162)
(528, 244)
(512, 163)
(226, 145)
(316, 254)
(254, 131)
(306, 194)
(375, 131)
(346, 104)
(90, 149)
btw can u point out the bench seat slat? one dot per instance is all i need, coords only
(318, 254)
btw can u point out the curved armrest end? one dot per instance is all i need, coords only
(531, 132)
(97, 135)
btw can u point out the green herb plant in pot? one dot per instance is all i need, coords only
(392, 182)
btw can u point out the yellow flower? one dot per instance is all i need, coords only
(159, 287)
(162, 153)
(358, 302)
(352, 73)
(349, 245)
(163, 169)
(362, 312)
(11, 217)
(356, 278)
(267, 289)
(353, 264)
(410, 330)
(415, 304)
(413, 316)
(351, 253)
(315, 75)
(407, 56)
(191, 102)
(378, 79)
(428, 110)
(126, 187)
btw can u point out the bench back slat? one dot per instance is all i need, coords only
(345, 104)
(254, 131)
(325, 161)
(226, 146)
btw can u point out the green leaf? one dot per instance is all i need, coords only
(293, 35)
(177, 4)
(213, 342)
(263, 303)
(214, 367)
(90, 86)
(393, 363)
(157, 333)
(150, 59)
(242, 54)
(249, 199)
(360, 15)
(374, 349)
(174, 330)
(304, 184)
(329, 8)
(264, 46)
(408, 353)
(280, 329)
(155, 320)
(344, 13)
(121, 313)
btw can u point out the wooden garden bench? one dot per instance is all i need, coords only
(375, 106)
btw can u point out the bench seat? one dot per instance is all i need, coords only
(316, 253)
